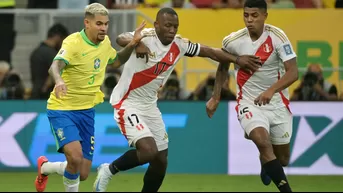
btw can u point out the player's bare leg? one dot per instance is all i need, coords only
(271, 164)
(282, 153)
(71, 177)
(156, 172)
(145, 152)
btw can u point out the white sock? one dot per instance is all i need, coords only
(108, 171)
(53, 168)
(71, 185)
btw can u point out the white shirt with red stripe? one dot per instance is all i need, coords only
(140, 81)
(273, 48)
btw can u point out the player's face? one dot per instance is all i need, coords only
(97, 26)
(166, 28)
(254, 19)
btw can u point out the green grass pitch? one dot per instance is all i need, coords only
(132, 182)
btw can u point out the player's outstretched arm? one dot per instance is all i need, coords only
(249, 62)
(221, 75)
(124, 39)
(125, 53)
(142, 51)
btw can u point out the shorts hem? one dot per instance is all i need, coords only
(144, 135)
(162, 147)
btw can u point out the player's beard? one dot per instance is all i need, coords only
(101, 37)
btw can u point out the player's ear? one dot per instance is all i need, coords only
(266, 16)
(85, 21)
(156, 24)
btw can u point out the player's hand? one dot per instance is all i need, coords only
(211, 106)
(264, 98)
(60, 89)
(142, 51)
(137, 37)
(249, 63)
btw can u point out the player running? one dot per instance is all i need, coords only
(79, 70)
(135, 97)
(262, 97)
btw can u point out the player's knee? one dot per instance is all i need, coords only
(162, 158)
(261, 139)
(148, 154)
(75, 159)
(284, 160)
(74, 156)
(147, 149)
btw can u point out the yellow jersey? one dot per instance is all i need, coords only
(84, 72)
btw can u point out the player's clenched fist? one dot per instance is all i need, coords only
(211, 106)
(60, 89)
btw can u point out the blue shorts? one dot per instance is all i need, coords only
(76, 125)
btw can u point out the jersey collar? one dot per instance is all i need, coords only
(85, 38)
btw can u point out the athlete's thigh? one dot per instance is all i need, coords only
(132, 125)
(251, 117)
(282, 127)
(85, 123)
(63, 128)
(158, 129)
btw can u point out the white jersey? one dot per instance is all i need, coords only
(140, 81)
(273, 48)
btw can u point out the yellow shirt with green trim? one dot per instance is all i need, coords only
(84, 72)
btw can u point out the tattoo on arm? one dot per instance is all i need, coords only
(56, 68)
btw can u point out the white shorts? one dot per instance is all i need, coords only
(135, 125)
(278, 122)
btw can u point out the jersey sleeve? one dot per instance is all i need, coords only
(189, 48)
(67, 51)
(113, 55)
(226, 43)
(284, 47)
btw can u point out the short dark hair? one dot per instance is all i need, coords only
(58, 29)
(167, 10)
(261, 4)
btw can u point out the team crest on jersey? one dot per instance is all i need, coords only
(60, 134)
(96, 63)
(267, 48)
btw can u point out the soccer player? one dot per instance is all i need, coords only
(135, 97)
(263, 105)
(79, 70)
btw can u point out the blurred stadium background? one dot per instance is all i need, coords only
(205, 155)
